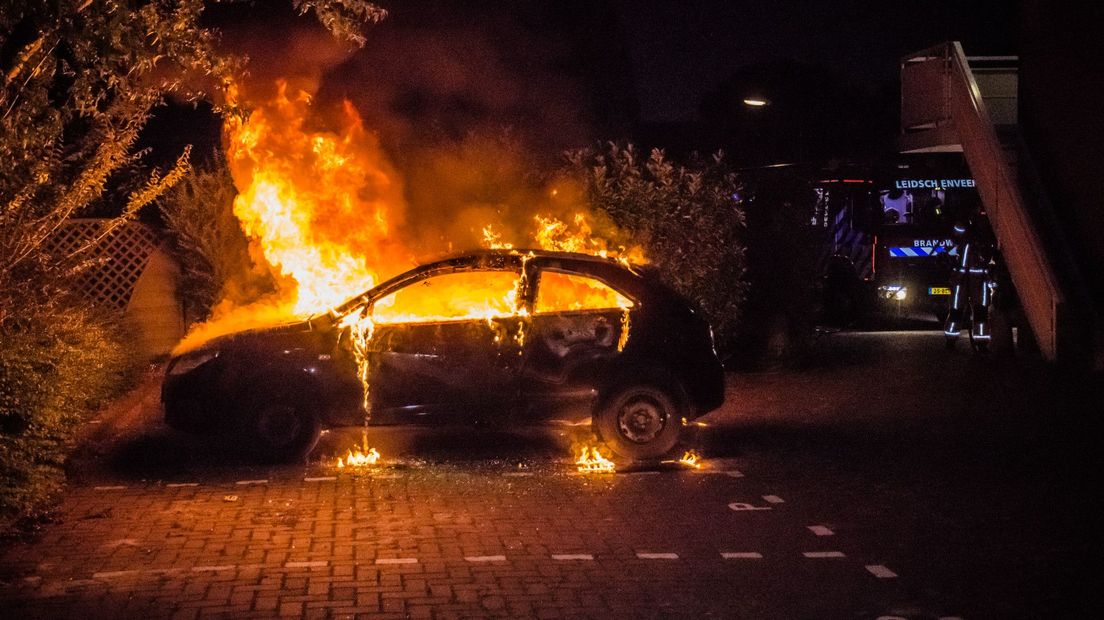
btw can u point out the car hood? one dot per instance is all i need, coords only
(281, 334)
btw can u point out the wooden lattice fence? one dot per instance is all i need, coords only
(130, 273)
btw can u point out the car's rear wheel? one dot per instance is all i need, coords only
(640, 422)
(285, 426)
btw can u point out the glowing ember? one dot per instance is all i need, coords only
(691, 459)
(590, 460)
(356, 458)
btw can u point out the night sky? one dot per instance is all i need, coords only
(659, 72)
(681, 50)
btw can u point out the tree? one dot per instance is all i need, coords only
(686, 216)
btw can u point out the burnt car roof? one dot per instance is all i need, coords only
(610, 270)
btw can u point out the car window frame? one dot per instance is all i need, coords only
(417, 278)
(535, 287)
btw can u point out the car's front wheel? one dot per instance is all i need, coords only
(285, 426)
(640, 422)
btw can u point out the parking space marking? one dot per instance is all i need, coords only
(245, 482)
(308, 564)
(741, 506)
(382, 561)
(320, 479)
(657, 556)
(518, 474)
(820, 530)
(773, 499)
(117, 487)
(114, 574)
(387, 476)
(177, 485)
(572, 556)
(718, 472)
(741, 555)
(485, 558)
(823, 554)
(880, 571)
(211, 569)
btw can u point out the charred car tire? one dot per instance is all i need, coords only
(640, 422)
(284, 425)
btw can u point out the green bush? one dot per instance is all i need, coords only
(684, 215)
(208, 243)
(56, 367)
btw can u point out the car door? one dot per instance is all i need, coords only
(577, 326)
(445, 348)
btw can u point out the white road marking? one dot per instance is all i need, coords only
(718, 472)
(313, 564)
(208, 569)
(387, 476)
(773, 499)
(824, 554)
(657, 556)
(518, 474)
(320, 479)
(245, 482)
(741, 506)
(820, 530)
(741, 555)
(880, 571)
(117, 487)
(114, 573)
(572, 556)
(485, 558)
(396, 560)
(176, 485)
(644, 473)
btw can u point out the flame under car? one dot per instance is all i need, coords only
(492, 337)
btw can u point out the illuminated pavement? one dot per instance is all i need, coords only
(848, 490)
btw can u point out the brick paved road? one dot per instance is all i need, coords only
(495, 525)
(448, 542)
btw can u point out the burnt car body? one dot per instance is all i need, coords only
(642, 370)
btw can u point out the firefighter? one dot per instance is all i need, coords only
(973, 286)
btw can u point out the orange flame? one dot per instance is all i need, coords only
(691, 459)
(356, 458)
(591, 461)
(320, 206)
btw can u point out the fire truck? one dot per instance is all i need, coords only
(885, 235)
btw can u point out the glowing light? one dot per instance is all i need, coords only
(756, 102)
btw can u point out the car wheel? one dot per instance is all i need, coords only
(640, 422)
(285, 427)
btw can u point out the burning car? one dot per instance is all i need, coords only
(503, 337)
